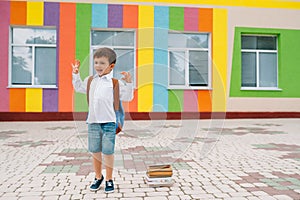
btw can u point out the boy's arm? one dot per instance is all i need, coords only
(126, 91)
(79, 85)
(126, 87)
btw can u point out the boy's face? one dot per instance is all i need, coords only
(102, 66)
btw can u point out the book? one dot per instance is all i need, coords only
(163, 179)
(159, 171)
(158, 182)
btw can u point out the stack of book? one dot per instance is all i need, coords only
(159, 175)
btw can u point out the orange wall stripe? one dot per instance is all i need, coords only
(205, 19)
(17, 100)
(205, 25)
(17, 96)
(130, 20)
(133, 105)
(204, 101)
(18, 13)
(66, 48)
(130, 16)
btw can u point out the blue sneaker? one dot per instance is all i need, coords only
(96, 184)
(109, 186)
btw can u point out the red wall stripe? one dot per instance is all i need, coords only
(130, 16)
(130, 20)
(66, 56)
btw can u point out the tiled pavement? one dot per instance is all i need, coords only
(212, 159)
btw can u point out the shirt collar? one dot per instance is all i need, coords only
(107, 76)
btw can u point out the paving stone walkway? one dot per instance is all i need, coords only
(211, 159)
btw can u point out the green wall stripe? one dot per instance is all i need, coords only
(83, 28)
(288, 63)
(175, 103)
(176, 22)
(176, 18)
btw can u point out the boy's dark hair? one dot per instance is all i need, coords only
(106, 52)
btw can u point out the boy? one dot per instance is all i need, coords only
(101, 117)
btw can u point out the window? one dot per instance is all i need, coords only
(259, 61)
(33, 57)
(122, 42)
(189, 63)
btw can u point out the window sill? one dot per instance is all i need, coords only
(33, 86)
(262, 88)
(188, 88)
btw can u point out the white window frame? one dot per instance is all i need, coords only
(34, 46)
(186, 50)
(93, 47)
(257, 53)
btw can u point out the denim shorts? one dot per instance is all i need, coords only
(101, 137)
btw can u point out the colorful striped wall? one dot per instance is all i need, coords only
(152, 23)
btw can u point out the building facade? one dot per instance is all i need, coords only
(187, 59)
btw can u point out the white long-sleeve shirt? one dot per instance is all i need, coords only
(101, 96)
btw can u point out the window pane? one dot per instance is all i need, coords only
(197, 40)
(176, 40)
(259, 42)
(198, 68)
(180, 40)
(21, 65)
(113, 38)
(33, 36)
(102, 38)
(124, 38)
(268, 69)
(45, 66)
(125, 62)
(249, 42)
(248, 69)
(266, 43)
(177, 73)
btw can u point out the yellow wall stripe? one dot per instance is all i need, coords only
(219, 64)
(34, 100)
(145, 58)
(35, 13)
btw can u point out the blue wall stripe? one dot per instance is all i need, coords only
(161, 17)
(99, 15)
(161, 25)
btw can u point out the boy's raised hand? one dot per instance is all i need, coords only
(127, 77)
(76, 66)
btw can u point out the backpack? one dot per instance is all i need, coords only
(119, 111)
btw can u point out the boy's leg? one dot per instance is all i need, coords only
(108, 149)
(94, 146)
(109, 166)
(97, 162)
